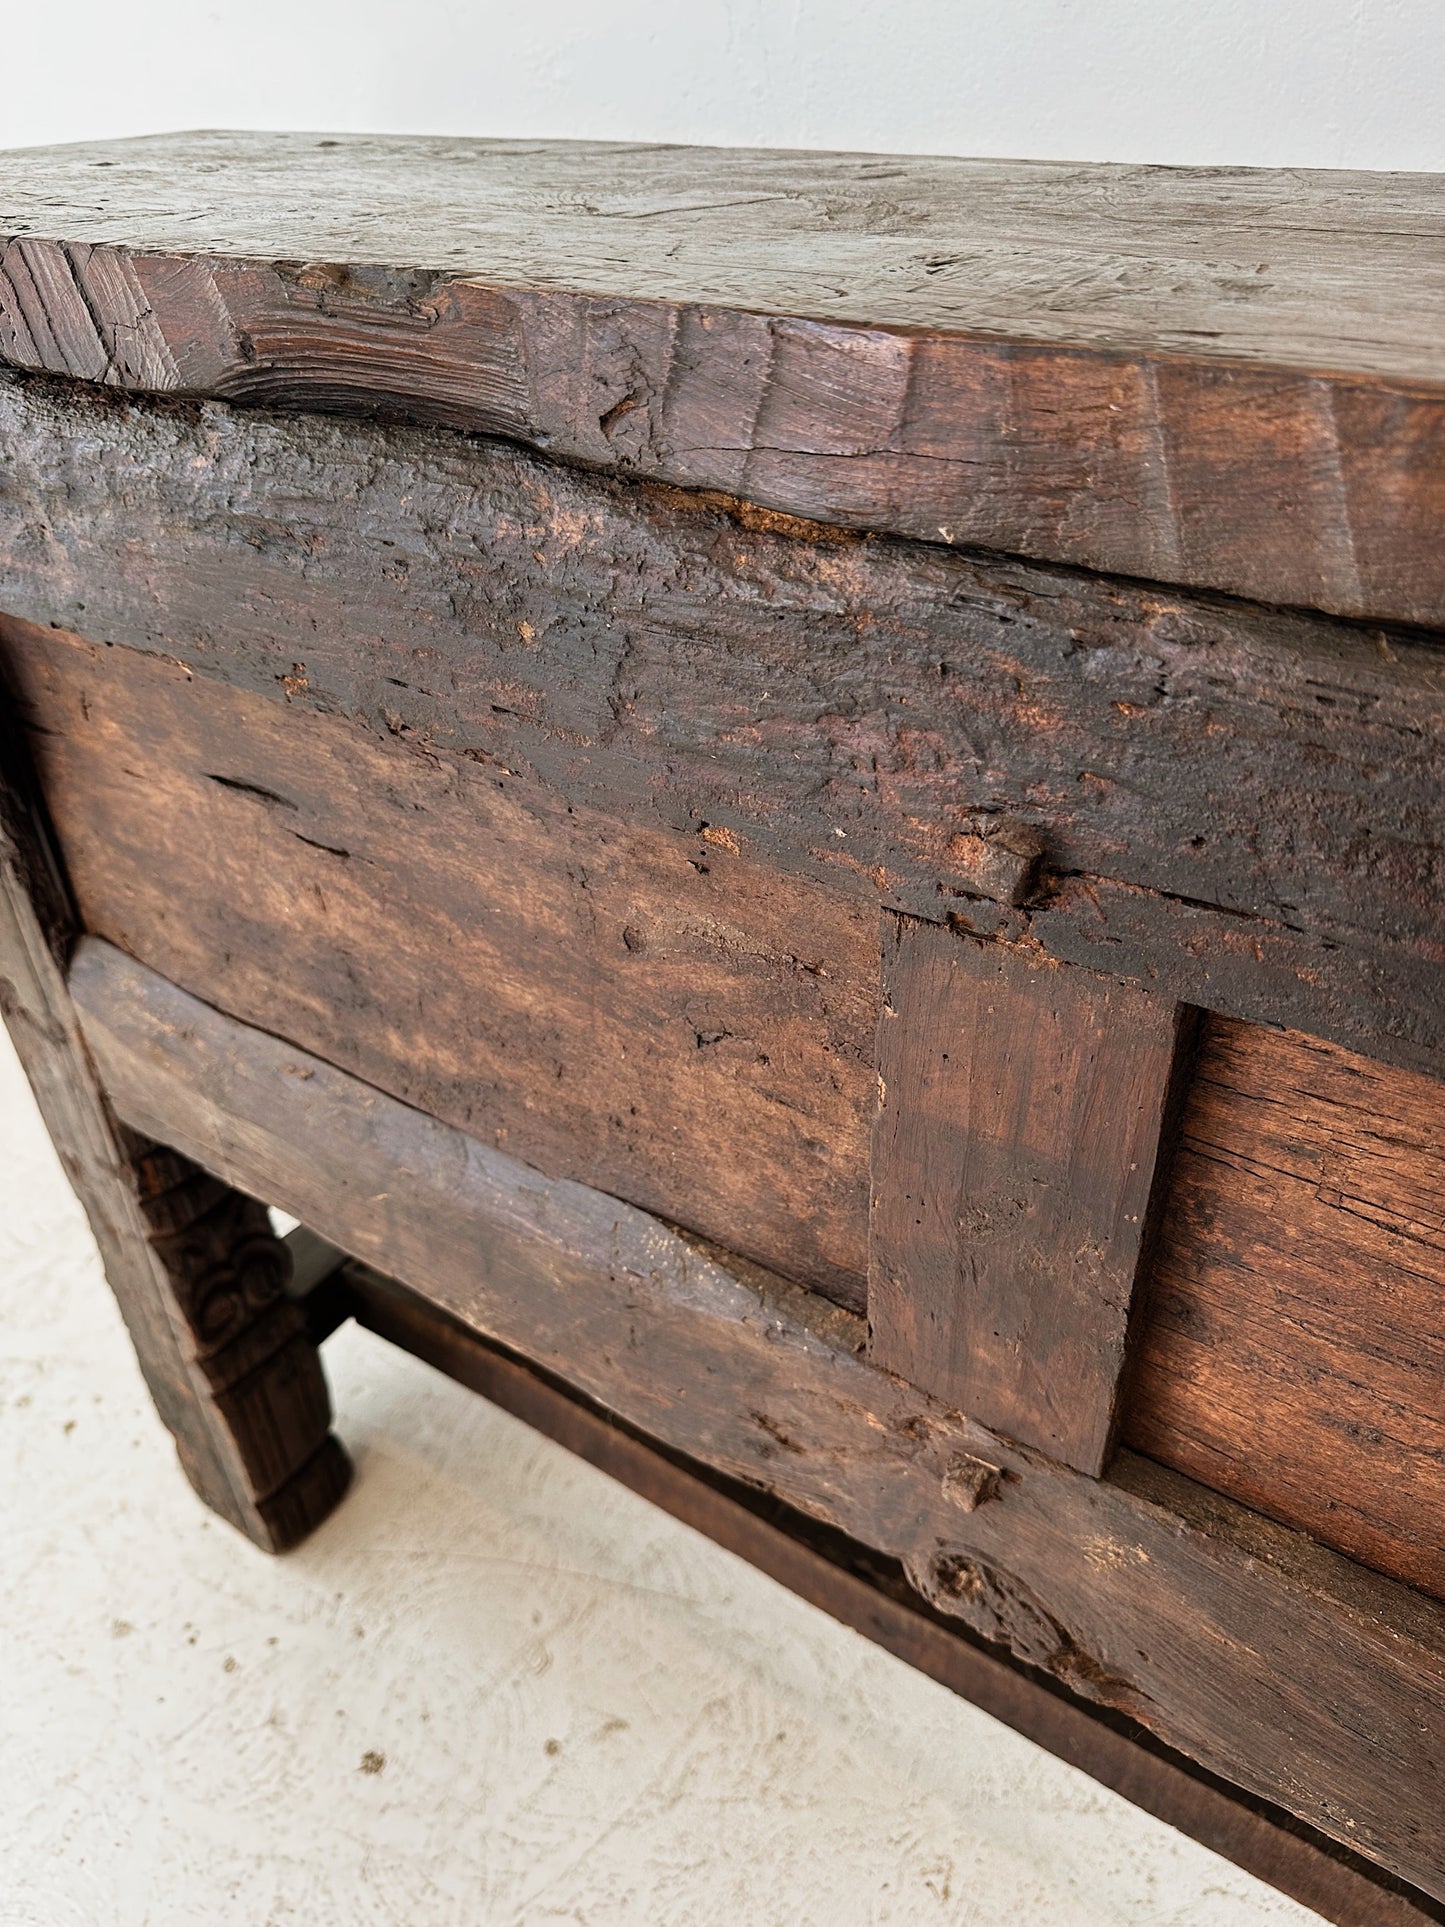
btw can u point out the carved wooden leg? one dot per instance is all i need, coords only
(247, 1342)
(197, 1269)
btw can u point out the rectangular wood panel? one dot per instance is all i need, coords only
(1014, 1157)
(657, 1014)
(1293, 1353)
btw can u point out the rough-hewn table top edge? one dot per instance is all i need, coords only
(1105, 257)
(1229, 379)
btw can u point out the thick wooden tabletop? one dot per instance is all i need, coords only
(1333, 272)
(1227, 377)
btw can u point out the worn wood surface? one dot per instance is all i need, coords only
(227, 1273)
(1237, 806)
(856, 1587)
(604, 1009)
(1233, 378)
(1294, 1352)
(1270, 1660)
(1019, 1140)
(196, 1269)
(657, 1015)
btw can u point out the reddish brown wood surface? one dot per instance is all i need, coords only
(1297, 1674)
(1294, 1352)
(1017, 1145)
(215, 882)
(1237, 806)
(659, 1015)
(1233, 379)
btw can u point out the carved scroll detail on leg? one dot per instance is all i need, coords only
(245, 1339)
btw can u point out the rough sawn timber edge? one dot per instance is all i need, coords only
(1298, 480)
(1271, 1661)
(859, 1590)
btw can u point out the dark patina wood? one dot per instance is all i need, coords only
(655, 1014)
(1263, 1656)
(197, 1270)
(669, 1020)
(1018, 1144)
(1237, 806)
(1231, 378)
(496, 844)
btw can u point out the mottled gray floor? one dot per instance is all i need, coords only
(495, 1688)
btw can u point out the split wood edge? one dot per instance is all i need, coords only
(1281, 483)
(1286, 717)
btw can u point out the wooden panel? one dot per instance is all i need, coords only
(1294, 1354)
(655, 1013)
(1234, 379)
(1237, 806)
(1014, 1157)
(1270, 1660)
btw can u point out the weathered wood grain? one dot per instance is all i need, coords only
(566, 1025)
(650, 1012)
(1228, 378)
(196, 1268)
(1268, 1659)
(1018, 1144)
(1294, 1351)
(1237, 806)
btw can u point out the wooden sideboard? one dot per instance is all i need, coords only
(796, 803)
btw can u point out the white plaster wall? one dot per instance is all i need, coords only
(1309, 83)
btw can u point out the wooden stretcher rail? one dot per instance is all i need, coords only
(855, 1587)
(1279, 1665)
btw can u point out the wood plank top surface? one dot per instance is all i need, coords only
(1225, 378)
(1325, 269)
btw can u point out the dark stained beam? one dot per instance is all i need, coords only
(1214, 791)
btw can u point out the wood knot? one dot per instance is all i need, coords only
(999, 1606)
(971, 1482)
(998, 857)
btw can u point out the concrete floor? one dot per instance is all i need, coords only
(495, 1688)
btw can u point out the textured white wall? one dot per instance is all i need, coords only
(1310, 83)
